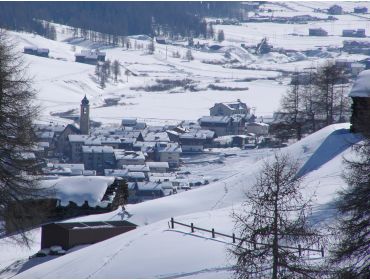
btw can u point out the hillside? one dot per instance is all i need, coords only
(196, 255)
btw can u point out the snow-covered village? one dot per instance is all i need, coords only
(185, 139)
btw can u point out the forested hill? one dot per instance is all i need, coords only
(116, 18)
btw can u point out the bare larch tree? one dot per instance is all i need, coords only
(274, 224)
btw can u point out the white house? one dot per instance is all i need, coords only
(158, 167)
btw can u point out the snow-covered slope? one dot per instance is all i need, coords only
(177, 253)
(62, 83)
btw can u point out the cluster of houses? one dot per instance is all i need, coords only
(85, 56)
(147, 157)
(36, 51)
(357, 47)
(356, 33)
(360, 33)
(338, 10)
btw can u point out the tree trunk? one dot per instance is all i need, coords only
(275, 244)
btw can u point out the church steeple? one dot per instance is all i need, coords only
(84, 116)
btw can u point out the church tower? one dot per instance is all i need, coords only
(84, 116)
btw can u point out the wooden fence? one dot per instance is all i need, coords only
(299, 249)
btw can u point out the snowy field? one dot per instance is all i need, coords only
(62, 83)
(153, 250)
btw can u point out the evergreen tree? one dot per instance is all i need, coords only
(116, 69)
(18, 182)
(211, 32)
(220, 35)
(190, 41)
(351, 253)
(176, 54)
(189, 55)
(151, 47)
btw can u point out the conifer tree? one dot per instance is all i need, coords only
(18, 180)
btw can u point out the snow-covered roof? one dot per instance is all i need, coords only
(78, 189)
(198, 134)
(122, 154)
(238, 105)
(361, 87)
(136, 175)
(51, 127)
(74, 166)
(97, 149)
(149, 186)
(156, 164)
(257, 124)
(77, 138)
(168, 148)
(116, 172)
(214, 119)
(156, 136)
(136, 168)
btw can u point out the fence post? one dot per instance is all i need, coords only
(322, 251)
(192, 227)
(233, 237)
(299, 250)
(213, 233)
(172, 223)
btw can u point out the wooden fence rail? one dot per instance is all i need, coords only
(234, 238)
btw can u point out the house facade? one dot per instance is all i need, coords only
(223, 125)
(168, 152)
(98, 158)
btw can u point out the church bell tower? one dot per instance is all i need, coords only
(84, 116)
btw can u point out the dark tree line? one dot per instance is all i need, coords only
(116, 18)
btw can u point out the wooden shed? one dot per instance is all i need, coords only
(68, 235)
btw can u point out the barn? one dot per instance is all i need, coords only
(68, 235)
